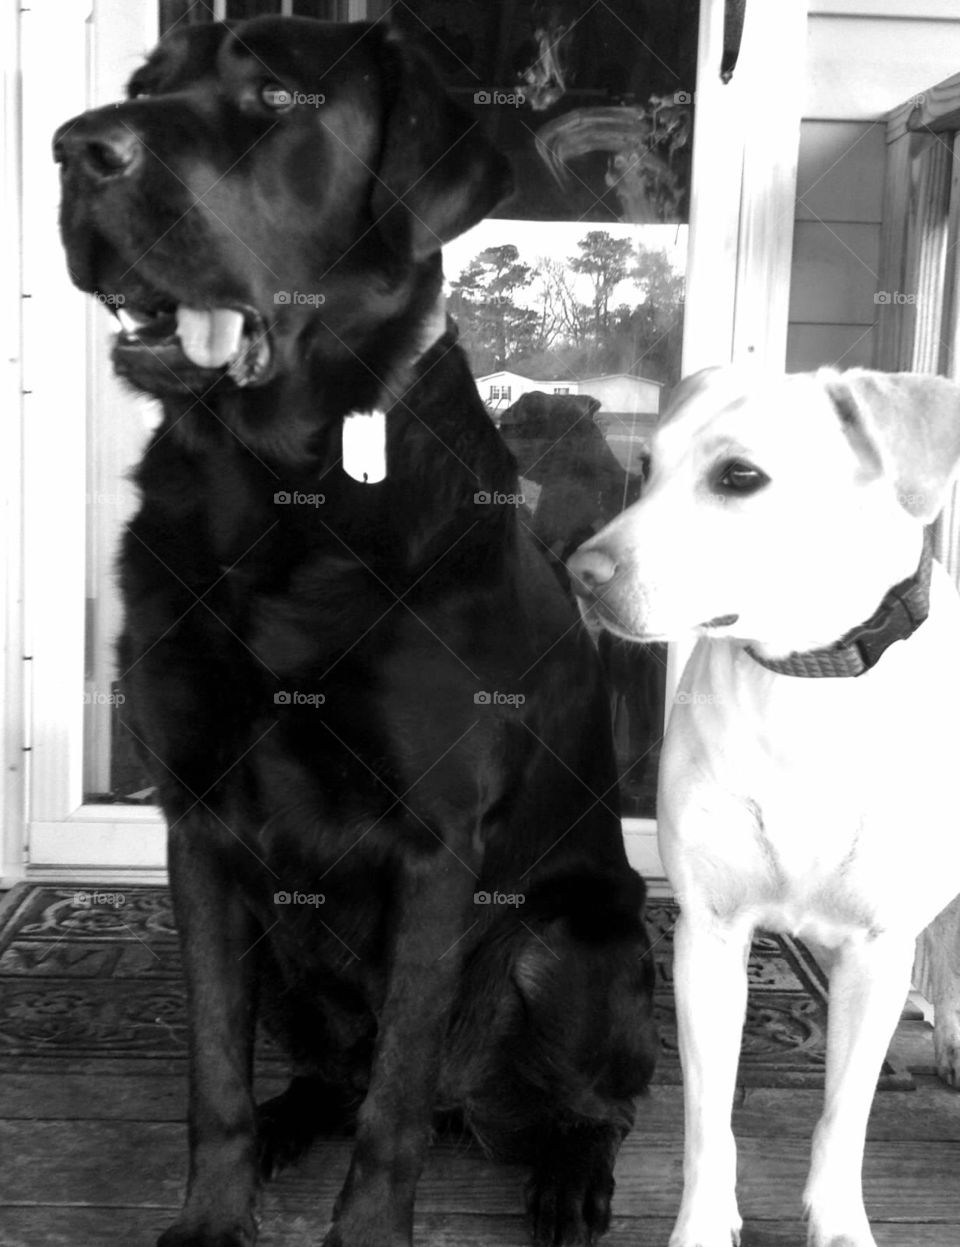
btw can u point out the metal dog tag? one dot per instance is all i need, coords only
(365, 446)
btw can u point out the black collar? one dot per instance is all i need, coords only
(902, 611)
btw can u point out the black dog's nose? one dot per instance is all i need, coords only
(589, 571)
(103, 147)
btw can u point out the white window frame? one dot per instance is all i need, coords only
(98, 44)
(738, 275)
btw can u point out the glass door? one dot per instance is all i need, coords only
(612, 270)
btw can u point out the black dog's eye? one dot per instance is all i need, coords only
(276, 97)
(740, 478)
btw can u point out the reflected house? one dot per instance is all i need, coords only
(629, 405)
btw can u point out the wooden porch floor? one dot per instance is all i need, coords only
(95, 1158)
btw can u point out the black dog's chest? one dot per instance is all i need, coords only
(293, 550)
(259, 520)
(295, 590)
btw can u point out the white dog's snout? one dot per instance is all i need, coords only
(590, 570)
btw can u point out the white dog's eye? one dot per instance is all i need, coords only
(738, 477)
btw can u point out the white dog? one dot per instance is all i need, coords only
(806, 762)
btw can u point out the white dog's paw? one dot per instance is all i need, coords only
(839, 1231)
(842, 1240)
(703, 1231)
(707, 1238)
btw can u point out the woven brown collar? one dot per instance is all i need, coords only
(902, 611)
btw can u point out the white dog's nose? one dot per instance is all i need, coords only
(589, 571)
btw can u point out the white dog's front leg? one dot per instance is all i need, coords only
(710, 982)
(869, 982)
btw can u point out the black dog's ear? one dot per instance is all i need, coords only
(438, 175)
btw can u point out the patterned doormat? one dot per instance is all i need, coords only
(90, 974)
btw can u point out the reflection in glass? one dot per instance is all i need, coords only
(574, 335)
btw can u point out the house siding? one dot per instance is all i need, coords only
(616, 393)
(864, 58)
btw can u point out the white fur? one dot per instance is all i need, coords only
(789, 803)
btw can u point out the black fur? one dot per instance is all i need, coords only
(303, 676)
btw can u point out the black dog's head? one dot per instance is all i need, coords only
(537, 414)
(550, 434)
(273, 188)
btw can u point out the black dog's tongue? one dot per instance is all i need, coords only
(209, 337)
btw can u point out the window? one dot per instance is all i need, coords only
(576, 282)
(918, 299)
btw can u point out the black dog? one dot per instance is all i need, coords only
(378, 733)
(558, 445)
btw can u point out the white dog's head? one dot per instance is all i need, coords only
(778, 510)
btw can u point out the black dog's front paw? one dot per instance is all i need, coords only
(570, 1212)
(205, 1234)
(571, 1188)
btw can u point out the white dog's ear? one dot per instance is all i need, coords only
(690, 387)
(905, 425)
